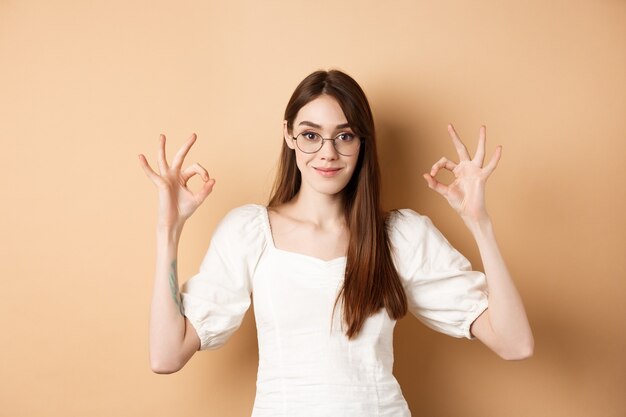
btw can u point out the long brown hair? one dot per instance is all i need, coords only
(371, 281)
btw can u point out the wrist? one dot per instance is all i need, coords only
(479, 225)
(169, 231)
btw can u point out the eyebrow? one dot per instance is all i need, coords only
(315, 125)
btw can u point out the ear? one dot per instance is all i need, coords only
(287, 136)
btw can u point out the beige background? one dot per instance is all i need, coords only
(86, 86)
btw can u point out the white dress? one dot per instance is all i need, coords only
(306, 368)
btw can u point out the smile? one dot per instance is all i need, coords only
(327, 172)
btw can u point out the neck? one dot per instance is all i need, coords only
(319, 209)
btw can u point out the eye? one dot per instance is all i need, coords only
(310, 136)
(346, 137)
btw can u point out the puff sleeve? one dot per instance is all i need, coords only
(216, 299)
(442, 290)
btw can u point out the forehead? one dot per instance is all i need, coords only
(323, 110)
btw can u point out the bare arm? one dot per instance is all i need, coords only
(503, 327)
(172, 338)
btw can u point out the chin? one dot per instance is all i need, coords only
(330, 186)
(329, 189)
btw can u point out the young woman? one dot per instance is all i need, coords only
(329, 271)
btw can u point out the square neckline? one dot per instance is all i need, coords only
(270, 239)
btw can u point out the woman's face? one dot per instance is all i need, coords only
(326, 171)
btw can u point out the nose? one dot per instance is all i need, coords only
(328, 150)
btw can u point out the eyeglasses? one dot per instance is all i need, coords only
(345, 144)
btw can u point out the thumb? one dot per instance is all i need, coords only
(206, 189)
(433, 184)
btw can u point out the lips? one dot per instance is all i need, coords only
(327, 172)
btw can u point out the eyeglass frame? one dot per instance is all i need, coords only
(325, 139)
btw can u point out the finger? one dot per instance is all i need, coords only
(442, 163)
(182, 152)
(480, 151)
(161, 160)
(493, 162)
(460, 147)
(433, 184)
(148, 169)
(194, 169)
(206, 189)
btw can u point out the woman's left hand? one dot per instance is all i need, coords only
(466, 194)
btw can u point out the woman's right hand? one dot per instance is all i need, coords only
(176, 202)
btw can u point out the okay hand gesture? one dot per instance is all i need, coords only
(466, 194)
(176, 202)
